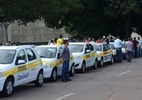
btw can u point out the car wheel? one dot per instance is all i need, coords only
(72, 71)
(95, 66)
(101, 63)
(8, 88)
(112, 60)
(53, 77)
(83, 68)
(39, 79)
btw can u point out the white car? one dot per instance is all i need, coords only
(19, 65)
(111, 45)
(105, 54)
(84, 55)
(50, 55)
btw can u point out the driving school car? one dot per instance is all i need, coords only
(50, 55)
(84, 55)
(19, 65)
(105, 54)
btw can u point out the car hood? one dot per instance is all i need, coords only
(4, 66)
(76, 54)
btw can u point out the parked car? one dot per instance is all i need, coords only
(111, 45)
(84, 55)
(19, 65)
(50, 55)
(105, 54)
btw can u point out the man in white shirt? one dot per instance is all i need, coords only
(129, 49)
(118, 45)
(139, 47)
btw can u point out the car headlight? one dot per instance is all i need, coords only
(1, 74)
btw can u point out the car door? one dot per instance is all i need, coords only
(32, 63)
(23, 74)
(88, 55)
(59, 61)
(92, 55)
(107, 53)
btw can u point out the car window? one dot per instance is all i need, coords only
(30, 54)
(104, 47)
(76, 47)
(91, 47)
(46, 52)
(98, 47)
(87, 47)
(21, 56)
(111, 46)
(107, 46)
(7, 56)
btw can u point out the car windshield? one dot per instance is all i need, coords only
(76, 47)
(6, 56)
(46, 52)
(98, 47)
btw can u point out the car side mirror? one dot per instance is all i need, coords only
(21, 62)
(88, 51)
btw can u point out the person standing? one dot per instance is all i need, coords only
(118, 45)
(65, 55)
(139, 47)
(135, 46)
(129, 49)
(87, 40)
(60, 40)
(51, 42)
(111, 39)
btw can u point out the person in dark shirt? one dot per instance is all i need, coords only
(65, 54)
(135, 46)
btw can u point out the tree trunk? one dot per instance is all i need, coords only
(128, 26)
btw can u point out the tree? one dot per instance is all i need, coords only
(90, 21)
(51, 11)
(125, 10)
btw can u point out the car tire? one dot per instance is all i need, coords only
(82, 70)
(112, 60)
(39, 79)
(8, 87)
(53, 77)
(95, 66)
(101, 62)
(72, 71)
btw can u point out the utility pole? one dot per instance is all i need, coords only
(6, 27)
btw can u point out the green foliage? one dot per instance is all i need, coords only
(123, 11)
(81, 17)
(52, 11)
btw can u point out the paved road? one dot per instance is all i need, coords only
(120, 81)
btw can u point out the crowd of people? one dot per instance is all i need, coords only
(132, 47)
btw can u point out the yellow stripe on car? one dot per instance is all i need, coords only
(105, 53)
(21, 68)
